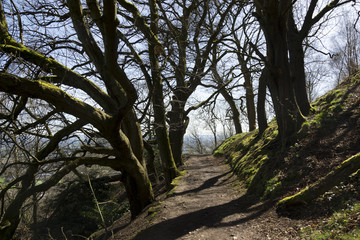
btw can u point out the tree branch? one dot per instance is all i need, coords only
(54, 95)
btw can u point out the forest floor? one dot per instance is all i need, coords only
(208, 203)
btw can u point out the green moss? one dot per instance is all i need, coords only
(333, 97)
(248, 152)
(341, 225)
(328, 108)
(175, 183)
(272, 187)
(231, 143)
(153, 211)
(256, 159)
(304, 129)
(292, 199)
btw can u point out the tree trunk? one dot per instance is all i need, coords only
(178, 122)
(273, 21)
(281, 88)
(234, 109)
(249, 93)
(285, 107)
(229, 99)
(153, 175)
(334, 178)
(11, 220)
(131, 128)
(138, 187)
(250, 105)
(11, 217)
(297, 66)
(136, 200)
(166, 156)
(261, 112)
(299, 79)
(135, 178)
(162, 137)
(176, 135)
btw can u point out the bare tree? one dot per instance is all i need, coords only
(107, 94)
(222, 86)
(155, 84)
(346, 58)
(285, 57)
(191, 30)
(194, 143)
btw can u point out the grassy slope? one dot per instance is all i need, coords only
(330, 135)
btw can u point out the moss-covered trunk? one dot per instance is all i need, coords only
(176, 136)
(135, 177)
(162, 137)
(137, 192)
(178, 123)
(131, 128)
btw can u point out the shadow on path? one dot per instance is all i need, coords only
(207, 184)
(209, 217)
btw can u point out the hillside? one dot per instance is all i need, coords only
(330, 135)
(211, 202)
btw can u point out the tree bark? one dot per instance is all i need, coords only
(162, 137)
(136, 200)
(135, 176)
(297, 65)
(11, 217)
(152, 172)
(261, 112)
(228, 98)
(176, 133)
(272, 16)
(234, 109)
(163, 141)
(249, 93)
(131, 128)
(178, 122)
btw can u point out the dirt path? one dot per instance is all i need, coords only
(207, 206)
